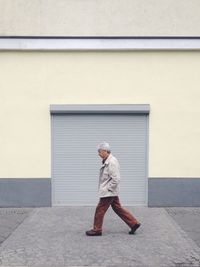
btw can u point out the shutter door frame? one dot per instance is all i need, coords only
(143, 109)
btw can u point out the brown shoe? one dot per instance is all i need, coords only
(93, 233)
(134, 228)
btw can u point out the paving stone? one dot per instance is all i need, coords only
(189, 220)
(10, 219)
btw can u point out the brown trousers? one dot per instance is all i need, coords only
(102, 207)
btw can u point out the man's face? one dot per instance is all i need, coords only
(103, 153)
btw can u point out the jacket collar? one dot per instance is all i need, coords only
(107, 161)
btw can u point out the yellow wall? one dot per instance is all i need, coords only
(31, 81)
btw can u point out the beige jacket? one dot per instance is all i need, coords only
(109, 177)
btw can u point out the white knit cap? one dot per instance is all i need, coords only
(104, 146)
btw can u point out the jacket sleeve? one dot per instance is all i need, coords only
(114, 176)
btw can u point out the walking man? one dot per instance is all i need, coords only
(109, 179)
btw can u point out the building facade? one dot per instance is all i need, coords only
(72, 79)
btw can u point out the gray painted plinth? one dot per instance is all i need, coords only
(174, 192)
(56, 237)
(31, 192)
(162, 192)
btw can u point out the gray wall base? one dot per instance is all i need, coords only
(162, 192)
(174, 192)
(31, 192)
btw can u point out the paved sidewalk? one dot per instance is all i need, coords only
(10, 219)
(189, 220)
(56, 237)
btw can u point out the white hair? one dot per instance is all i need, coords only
(104, 146)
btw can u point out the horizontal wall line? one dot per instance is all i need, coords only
(98, 43)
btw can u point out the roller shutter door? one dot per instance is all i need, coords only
(75, 161)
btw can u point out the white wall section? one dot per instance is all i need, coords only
(100, 18)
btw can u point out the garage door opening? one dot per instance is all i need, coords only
(76, 132)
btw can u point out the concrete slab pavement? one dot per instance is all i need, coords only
(56, 237)
(10, 219)
(188, 219)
